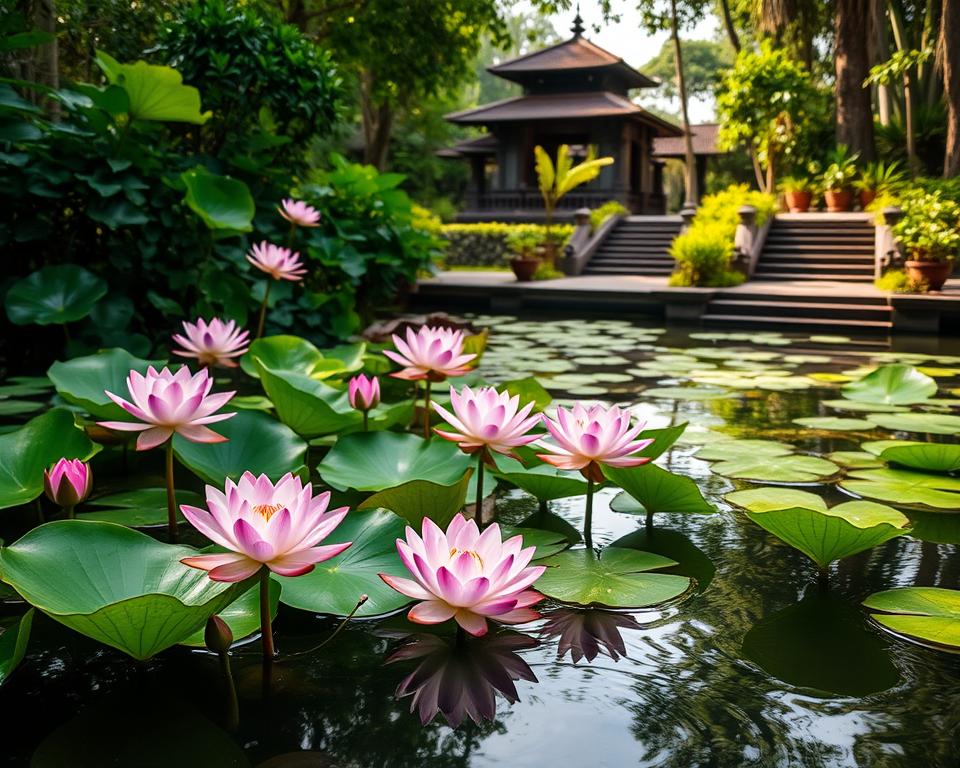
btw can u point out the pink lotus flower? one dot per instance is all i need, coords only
(168, 402)
(68, 482)
(277, 262)
(299, 213)
(467, 576)
(430, 353)
(364, 393)
(212, 343)
(487, 420)
(262, 524)
(586, 438)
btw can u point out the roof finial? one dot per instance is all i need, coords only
(577, 27)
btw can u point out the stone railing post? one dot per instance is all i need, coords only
(582, 234)
(886, 249)
(745, 240)
(687, 213)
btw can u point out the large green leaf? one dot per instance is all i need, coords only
(528, 389)
(82, 381)
(54, 295)
(114, 584)
(309, 407)
(775, 497)
(928, 614)
(335, 586)
(902, 486)
(617, 578)
(673, 545)
(255, 442)
(374, 461)
(543, 481)
(418, 499)
(38, 444)
(835, 423)
(930, 457)
(13, 643)
(932, 423)
(658, 490)
(222, 202)
(154, 92)
(663, 440)
(732, 450)
(291, 353)
(835, 533)
(895, 384)
(242, 615)
(547, 543)
(137, 507)
(782, 469)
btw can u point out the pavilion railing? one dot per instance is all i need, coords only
(530, 200)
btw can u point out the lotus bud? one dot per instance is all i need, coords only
(68, 482)
(218, 636)
(364, 393)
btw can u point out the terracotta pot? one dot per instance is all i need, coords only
(798, 201)
(525, 268)
(838, 200)
(867, 196)
(935, 273)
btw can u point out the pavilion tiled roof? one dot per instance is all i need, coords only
(481, 145)
(704, 138)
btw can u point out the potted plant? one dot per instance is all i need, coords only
(876, 179)
(838, 180)
(798, 193)
(929, 232)
(523, 244)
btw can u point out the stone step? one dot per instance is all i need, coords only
(868, 312)
(713, 320)
(791, 299)
(601, 269)
(761, 275)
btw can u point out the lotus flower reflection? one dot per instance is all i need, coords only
(299, 213)
(467, 576)
(585, 633)
(68, 483)
(213, 343)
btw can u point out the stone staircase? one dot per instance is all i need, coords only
(637, 245)
(818, 247)
(753, 307)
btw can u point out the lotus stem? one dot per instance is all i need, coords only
(426, 410)
(233, 705)
(172, 532)
(366, 427)
(68, 511)
(649, 519)
(588, 516)
(291, 235)
(479, 512)
(263, 311)
(66, 333)
(823, 578)
(266, 623)
(40, 519)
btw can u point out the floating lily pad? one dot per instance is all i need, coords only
(54, 295)
(418, 499)
(308, 406)
(895, 384)
(780, 469)
(727, 450)
(935, 527)
(292, 353)
(82, 380)
(901, 486)
(34, 447)
(617, 578)
(375, 461)
(674, 545)
(931, 457)
(335, 586)
(138, 507)
(255, 442)
(854, 459)
(547, 543)
(542, 481)
(932, 423)
(687, 393)
(830, 378)
(658, 490)
(528, 389)
(242, 615)
(927, 614)
(13, 643)
(113, 584)
(769, 498)
(19, 407)
(856, 407)
(834, 424)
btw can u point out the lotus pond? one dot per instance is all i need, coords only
(775, 588)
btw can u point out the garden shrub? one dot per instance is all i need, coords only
(487, 244)
(599, 215)
(898, 281)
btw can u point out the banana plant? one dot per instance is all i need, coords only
(556, 180)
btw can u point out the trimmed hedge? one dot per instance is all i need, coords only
(485, 244)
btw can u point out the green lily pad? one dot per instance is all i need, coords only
(835, 424)
(528, 389)
(335, 586)
(930, 457)
(663, 438)
(418, 499)
(674, 545)
(729, 450)
(82, 381)
(782, 469)
(901, 486)
(931, 423)
(292, 353)
(687, 393)
(835, 533)
(895, 384)
(855, 407)
(618, 578)
(658, 490)
(255, 442)
(935, 527)
(54, 295)
(543, 481)
(138, 507)
(854, 459)
(375, 461)
(547, 543)
(19, 407)
(114, 584)
(221, 202)
(242, 615)
(928, 614)
(309, 407)
(34, 447)
(769, 498)
(13, 644)
(154, 92)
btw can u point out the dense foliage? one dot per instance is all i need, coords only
(489, 244)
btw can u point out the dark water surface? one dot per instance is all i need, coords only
(756, 668)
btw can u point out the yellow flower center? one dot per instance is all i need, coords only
(267, 510)
(454, 551)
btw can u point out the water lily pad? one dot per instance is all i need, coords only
(292, 353)
(928, 614)
(901, 486)
(138, 507)
(854, 459)
(375, 461)
(547, 543)
(255, 442)
(835, 424)
(113, 584)
(308, 406)
(854, 406)
(726, 450)
(663, 438)
(335, 586)
(242, 615)
(543, 481)
(783, 469)
(674, 545)
(687, 393)
(418, 499)
(769, 498)
(935, 527)
(528, 389)
(34, 447)
(82, 380)
(13, 643)
(932, 423)
(658, 490)
(930, 457)
(830, 378)
(617, 578)
(835, 533)
(54, 295)
(895, 384)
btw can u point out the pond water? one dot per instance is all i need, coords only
(758, 667)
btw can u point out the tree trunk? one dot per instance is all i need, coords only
(40, 64)
(949, 53)
(879, 50)
(690, 177)
(852, 62)
(728, 25)
(908, 122)
(377, 124)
